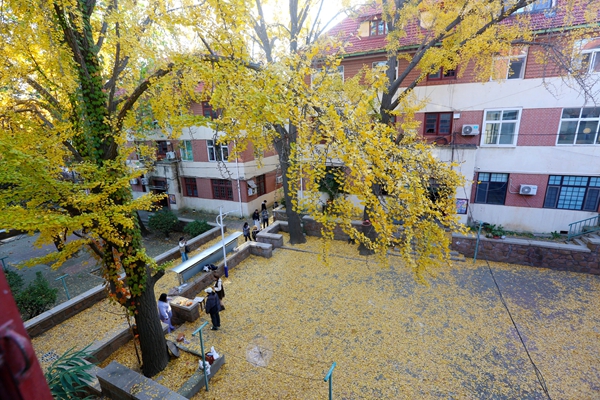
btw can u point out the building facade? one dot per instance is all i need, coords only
(196, 173)
(526, 141)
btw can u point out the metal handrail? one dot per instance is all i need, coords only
(584, 226)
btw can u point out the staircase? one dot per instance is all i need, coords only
(584, 239)
(583, 227)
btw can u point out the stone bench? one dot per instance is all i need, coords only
(196, 381)
(195, 264)
(269, 235)
(121, 383)
(183, 312)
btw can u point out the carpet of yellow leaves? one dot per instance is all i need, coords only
(393, 338)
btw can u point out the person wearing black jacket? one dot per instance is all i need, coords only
(256, 218)
(212, 307)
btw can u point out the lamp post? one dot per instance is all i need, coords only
(221, 225)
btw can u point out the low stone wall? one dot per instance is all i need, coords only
(269, 235)
(557, 256)
(314, 228)
(46, 320)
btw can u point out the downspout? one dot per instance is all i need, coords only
(237, 166)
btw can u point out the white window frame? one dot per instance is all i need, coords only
(517, 122)
(579, 120)
(591, 56)
(536, 6)
(383, 64)
(509, 61)
(186, 151)
(217, 149)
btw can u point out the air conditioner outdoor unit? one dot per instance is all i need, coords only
(144, 181)
(470, 130)
(529, 190)
(170, 155)
(251, 191)
(134, 181)
(279, 180)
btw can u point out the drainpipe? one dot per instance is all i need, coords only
(237, 166)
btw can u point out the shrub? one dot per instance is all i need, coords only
(197, 228)
(15, 281)
(164, 221)
(36, 298)
(68, 375)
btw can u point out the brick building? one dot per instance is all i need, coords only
(197, 173)
(530, 154)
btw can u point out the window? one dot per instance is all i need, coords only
(491, 188)
(260, 185)
(537, 6)
(590, 55)
(185, 149)
(442, 74)
(510, 66)
(377, 28)
(208, 111)
(438, 123)
(217, 152)
(383, 64)
(222, 189)
(501, 127)
(162, 147)
(573, 193)
(190, 187)
(579, 126)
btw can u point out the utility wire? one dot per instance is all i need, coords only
(538, 373)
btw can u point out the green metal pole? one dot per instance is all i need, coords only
(329, 378)
(64, 284)
(477, 243)
(199, 330)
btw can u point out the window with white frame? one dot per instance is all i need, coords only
(383, 65)
(537, 6)
(217, 152)
(573, 193)
(590, 55)
(511, 65)
(500, 127)
(185, 149)
(579, 126)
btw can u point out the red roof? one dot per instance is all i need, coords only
(347, 30)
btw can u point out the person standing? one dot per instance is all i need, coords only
(164, 311)
(265, 218)
(182, 248)
(256, 218)
(255, 231)
(219, 289)
(246, 231)
(263, 206)
(212, 307)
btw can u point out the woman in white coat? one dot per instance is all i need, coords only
(164, 311)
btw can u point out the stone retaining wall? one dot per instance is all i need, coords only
(557, 256)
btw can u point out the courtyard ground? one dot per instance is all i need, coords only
(289, 317)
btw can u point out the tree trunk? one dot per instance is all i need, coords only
(282, 146)
(152, 341)
(143, 230)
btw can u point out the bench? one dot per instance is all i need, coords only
(212, 255)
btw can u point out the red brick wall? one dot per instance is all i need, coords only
(539, 127)
(196, 108)
(513, 198)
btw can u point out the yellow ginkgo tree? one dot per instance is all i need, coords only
(79, 80)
